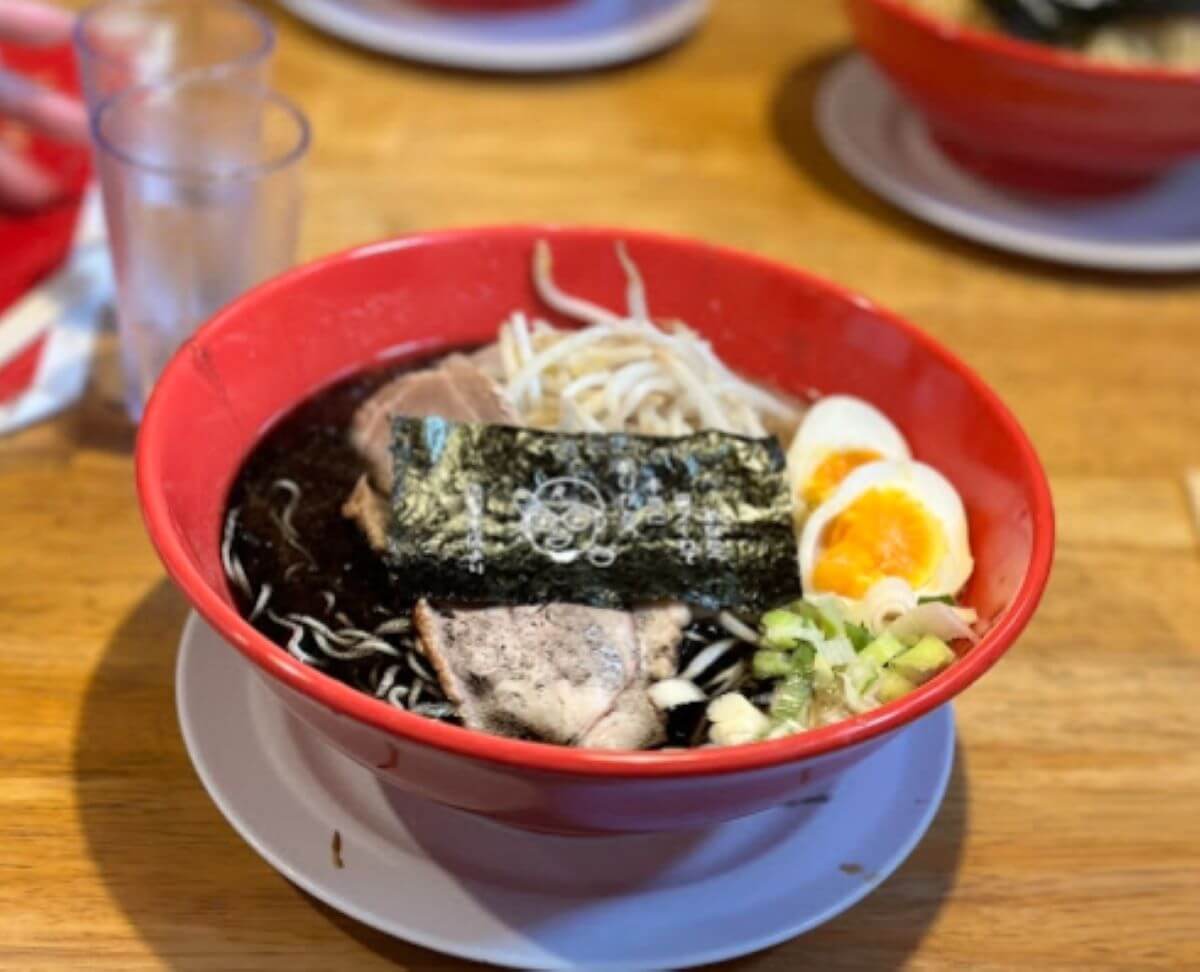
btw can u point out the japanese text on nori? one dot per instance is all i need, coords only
(493, 514)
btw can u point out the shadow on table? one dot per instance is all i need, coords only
(792, 120)
(197, 894)
(190, 887)
(99, 423)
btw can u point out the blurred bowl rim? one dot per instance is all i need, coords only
(546, 757)
(1041, 55)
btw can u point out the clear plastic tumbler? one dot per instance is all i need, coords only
(201, 186)
(123, 43)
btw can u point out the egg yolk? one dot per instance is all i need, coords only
(833, 469)
(883, 533)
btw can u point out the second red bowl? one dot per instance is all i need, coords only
(1028, 116)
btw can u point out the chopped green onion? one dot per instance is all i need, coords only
(883, 649)
(792, 701)
(784, 729)
(772, 663)
(858, 634)
(923, 660)
(892, 685)
(837, 651)
(863, 673)
(802, 660)
(823, 677)
(786, 629)
(815, 616)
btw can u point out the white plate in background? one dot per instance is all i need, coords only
(576, 35)
(883, 143)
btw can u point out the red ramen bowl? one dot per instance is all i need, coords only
(1029, 116)
(415, 296)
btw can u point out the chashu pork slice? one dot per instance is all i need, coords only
(561, 673)
(456, 389)
(633, 722)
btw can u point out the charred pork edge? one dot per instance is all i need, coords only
(359, 506)
(429, 625)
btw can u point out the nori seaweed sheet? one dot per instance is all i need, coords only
(502, 515)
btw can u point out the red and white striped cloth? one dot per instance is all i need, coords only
(54, 272)
(47, 334)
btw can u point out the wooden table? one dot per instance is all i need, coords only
(1070, 836)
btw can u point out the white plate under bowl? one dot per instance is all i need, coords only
(882, 141)
(472, 888)
(577, 35)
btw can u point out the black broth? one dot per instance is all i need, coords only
(327, 573)
(309, 447)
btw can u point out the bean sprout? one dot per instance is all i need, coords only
(635, 289)
(574, 307)
(648, 378)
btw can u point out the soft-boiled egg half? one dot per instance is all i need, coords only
(838, 435)
(887, 519)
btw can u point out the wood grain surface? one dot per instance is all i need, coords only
(1070, 837)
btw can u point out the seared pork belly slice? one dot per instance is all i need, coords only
(488, 360)
(659, 630)
(483, 399)
(634, 722)
(561, 673)
(456, 389)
